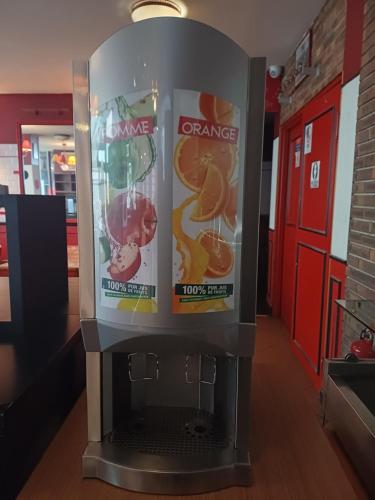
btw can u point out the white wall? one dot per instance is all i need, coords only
(9, 165)
(344, 169)
(265, 192)
(275, 165)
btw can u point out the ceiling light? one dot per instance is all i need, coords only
(146, 9)
(26, 146)
(71, 160)
(61, 137)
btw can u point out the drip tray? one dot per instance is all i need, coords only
(171, 431)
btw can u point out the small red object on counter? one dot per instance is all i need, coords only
(364, 347)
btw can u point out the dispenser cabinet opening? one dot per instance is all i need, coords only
(168, 129)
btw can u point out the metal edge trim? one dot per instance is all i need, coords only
(165, 482)
(82, 139)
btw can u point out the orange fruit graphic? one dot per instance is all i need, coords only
(215, 109)
(211, 197)
(194, 258)
(230, 208)
(194, 154)
(220, 254)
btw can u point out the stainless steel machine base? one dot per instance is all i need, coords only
(176, 475)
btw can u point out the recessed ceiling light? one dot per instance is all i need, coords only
(146, 9)
(61, 137)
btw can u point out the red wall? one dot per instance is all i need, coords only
(353, 39)
(32, 109)
(3, 243)
(273, 86)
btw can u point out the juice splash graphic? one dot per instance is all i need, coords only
(194, 257)
(194, 264)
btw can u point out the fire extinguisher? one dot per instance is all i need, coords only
(364, 348)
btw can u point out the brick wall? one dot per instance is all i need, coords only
(361, 254)
(328, 32)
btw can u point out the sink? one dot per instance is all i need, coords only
(349, 408)
(364, 388)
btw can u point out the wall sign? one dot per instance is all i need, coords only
(125, 202)
(315, 174)
(297, 153)
(303, 58)
(308, 138)
(205, 180)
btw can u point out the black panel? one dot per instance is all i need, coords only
(250, 222)
(40, 382)
(262, 305)
(38, 270)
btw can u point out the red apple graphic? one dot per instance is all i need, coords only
(125, 263)
(131, 218)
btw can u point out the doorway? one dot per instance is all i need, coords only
(49, 168)
(49, 162)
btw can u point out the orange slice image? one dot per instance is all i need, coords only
(220, 254)
(215, 109)
(193, 155)
(211, 197)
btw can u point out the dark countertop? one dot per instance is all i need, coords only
(23, 361)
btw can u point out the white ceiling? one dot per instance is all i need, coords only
(47, 139)
(40, 38)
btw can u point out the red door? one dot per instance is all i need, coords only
(313, 234)
(294, 157)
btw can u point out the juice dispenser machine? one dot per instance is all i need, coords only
(168, 127)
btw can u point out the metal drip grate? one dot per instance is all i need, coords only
(170, 431)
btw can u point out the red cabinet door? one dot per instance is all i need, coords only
(311, 263)
(307, 176)
(313, 234)
(318, 171)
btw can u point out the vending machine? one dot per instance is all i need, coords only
(168, 127)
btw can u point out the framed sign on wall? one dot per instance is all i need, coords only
(303, 58)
